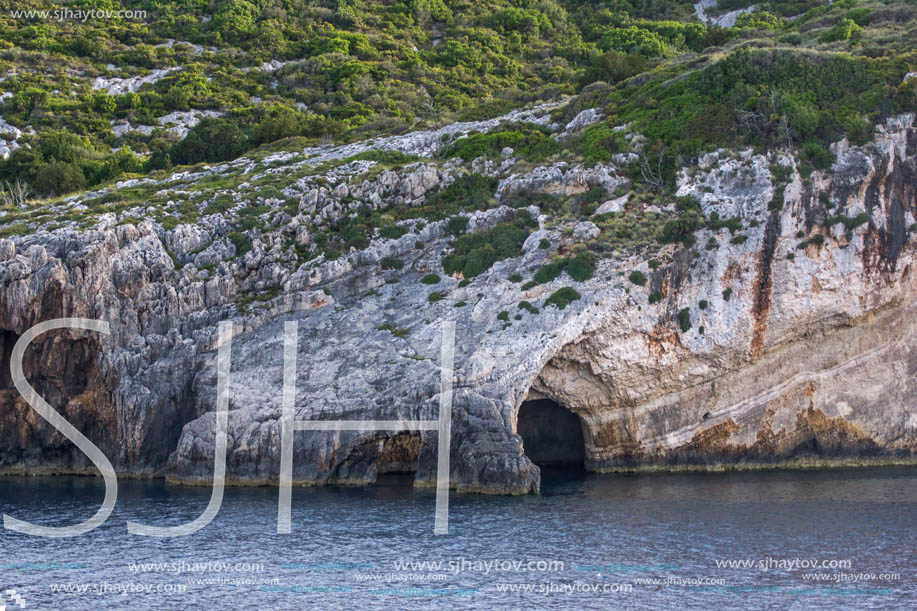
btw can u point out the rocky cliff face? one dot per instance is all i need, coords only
(786, 335)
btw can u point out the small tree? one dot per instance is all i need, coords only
(210, 140)
(104, 104)
(59, 178)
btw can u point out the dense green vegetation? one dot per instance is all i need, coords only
(582, 266)
(531, 142)
(476, 252)
(772, 98)
(467, 193)
(353, 68)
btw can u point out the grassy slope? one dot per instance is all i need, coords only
(362, 67)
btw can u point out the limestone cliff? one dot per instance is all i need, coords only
(783, 335)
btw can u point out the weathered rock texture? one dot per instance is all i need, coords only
(793, 352)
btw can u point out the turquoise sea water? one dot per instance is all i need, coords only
(587, 542)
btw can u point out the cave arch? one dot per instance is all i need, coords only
(552, 435)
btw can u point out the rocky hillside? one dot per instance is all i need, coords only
(757, 313)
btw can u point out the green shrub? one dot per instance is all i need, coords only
(435, 296)
(213, 139)
(634, 40)
(727, 294)
(682, 228)
(515, 278)
(759, 20)
(702, 304)
(104, 104)
(430, 279)
(655, 297)
(487, 110)
(62, 146)
(458, 225)
(777, 201)
(598, 143)
(532, 142)
(219, 205)
(466, 193)
(272, 122)
(562, 297)
(817, 154)
(525, 305)
(715, 223)
(860, 15)
(59, 178)
(612, 67)
(637, 277)
(582, 266)
(849, 223)
(242, 243)
(392, 232)
(684, 319)
(504, 315)
(549, 271)
(476, 252)
(845, 29)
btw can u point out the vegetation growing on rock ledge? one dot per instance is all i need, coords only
(684, 319)
(637, 277)
(563, 297)
(476, 252)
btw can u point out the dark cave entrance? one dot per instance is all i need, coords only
(552, 435)
(398, 459)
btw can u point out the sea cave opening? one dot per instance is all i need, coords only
(552, 435)
(398, 459)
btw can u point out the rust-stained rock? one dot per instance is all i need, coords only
(792, 353)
